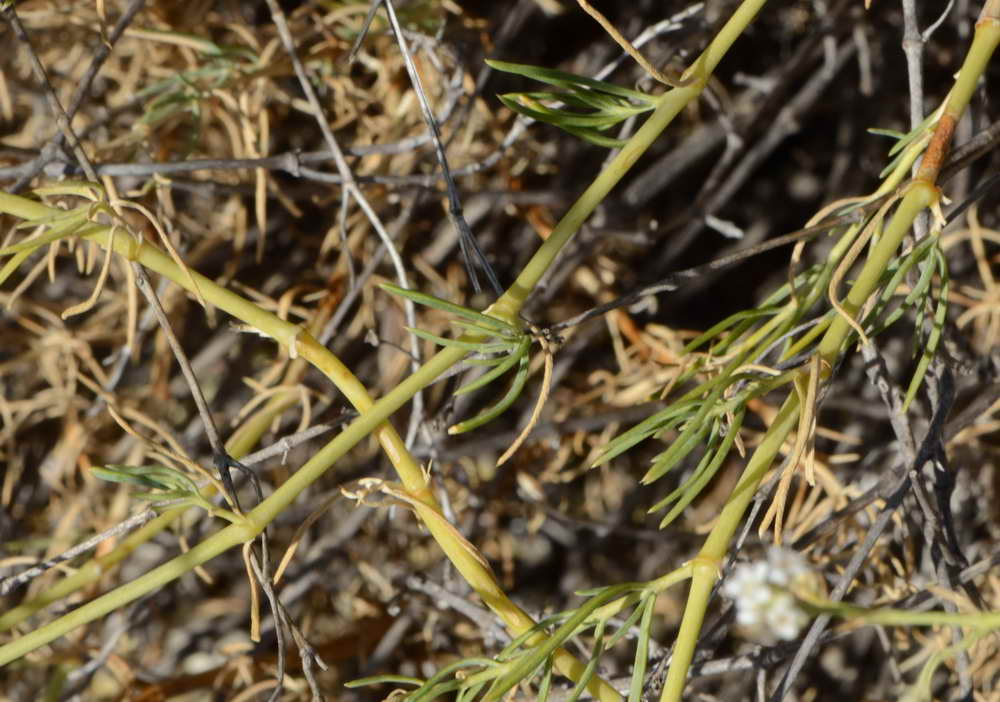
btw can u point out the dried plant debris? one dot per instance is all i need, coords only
(356, 185)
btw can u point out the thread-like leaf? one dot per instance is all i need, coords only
(588, 672)
(642, 649)
(170, 483)
(439, 683)
(563, 79)
(500, 407)
(384, 680)
(534, 658)
(584, 107)
(546, 684)
(625, 626)
(934, 338)
(692, 487)
(497, 325)
(663, 420)
(690, 436)
(472, 346)
(512, 358)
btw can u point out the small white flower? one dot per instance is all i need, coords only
(751, 616)
(786, 566)
(783, 618)
(765, 609)
(748, 584)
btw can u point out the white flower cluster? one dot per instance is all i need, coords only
(765, 609)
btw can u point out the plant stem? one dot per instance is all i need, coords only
(374, 415)
(980, 621)
(921, 194)
(668, 107)
(303, 344)
(918, 197)
(707, 563)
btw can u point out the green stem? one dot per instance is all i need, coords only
(903, 617)
(668, 106)
(709, 559)
(376, 414)
(920, 195)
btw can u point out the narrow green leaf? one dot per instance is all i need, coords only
(170, 483)
(512, 650)
(535, 657)
(891, 133)
(595, 591)
(642, 650)
(129, 475)
(12, 265)
(487, 362)
(471, 346)
(434, 692)
(494, 323)
(693, 486)
(500, 407)
(511, 334)
(588, 672)
(664, 420)
(934, 339)
(567, 80)
(623, 630)
(546, 685)
(58, 228)
(557, 117)
(746, 316)
(875, 322)
(691, 435)
(502, 368)
(469, 693)
(384, 680)
(915, 133)
(161, 496)
(437, 684)
(596, 138)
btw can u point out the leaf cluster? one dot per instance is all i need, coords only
(756, 351)
(524, 662)
(492, 343)
(581, 106)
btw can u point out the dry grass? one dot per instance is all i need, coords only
(367, 588)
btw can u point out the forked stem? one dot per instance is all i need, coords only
(921, 194)
(374, 415)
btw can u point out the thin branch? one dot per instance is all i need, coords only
(114, 626)
(674, 280)
(785, 125)
(355, 291)
(221, 457)
(467, 241)
(631, 50)
(307, 654)
(62, 119)
(442, 596)
(12, 582)
(286, 443)
(100, 54)
(351, 188)
(913, 49)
